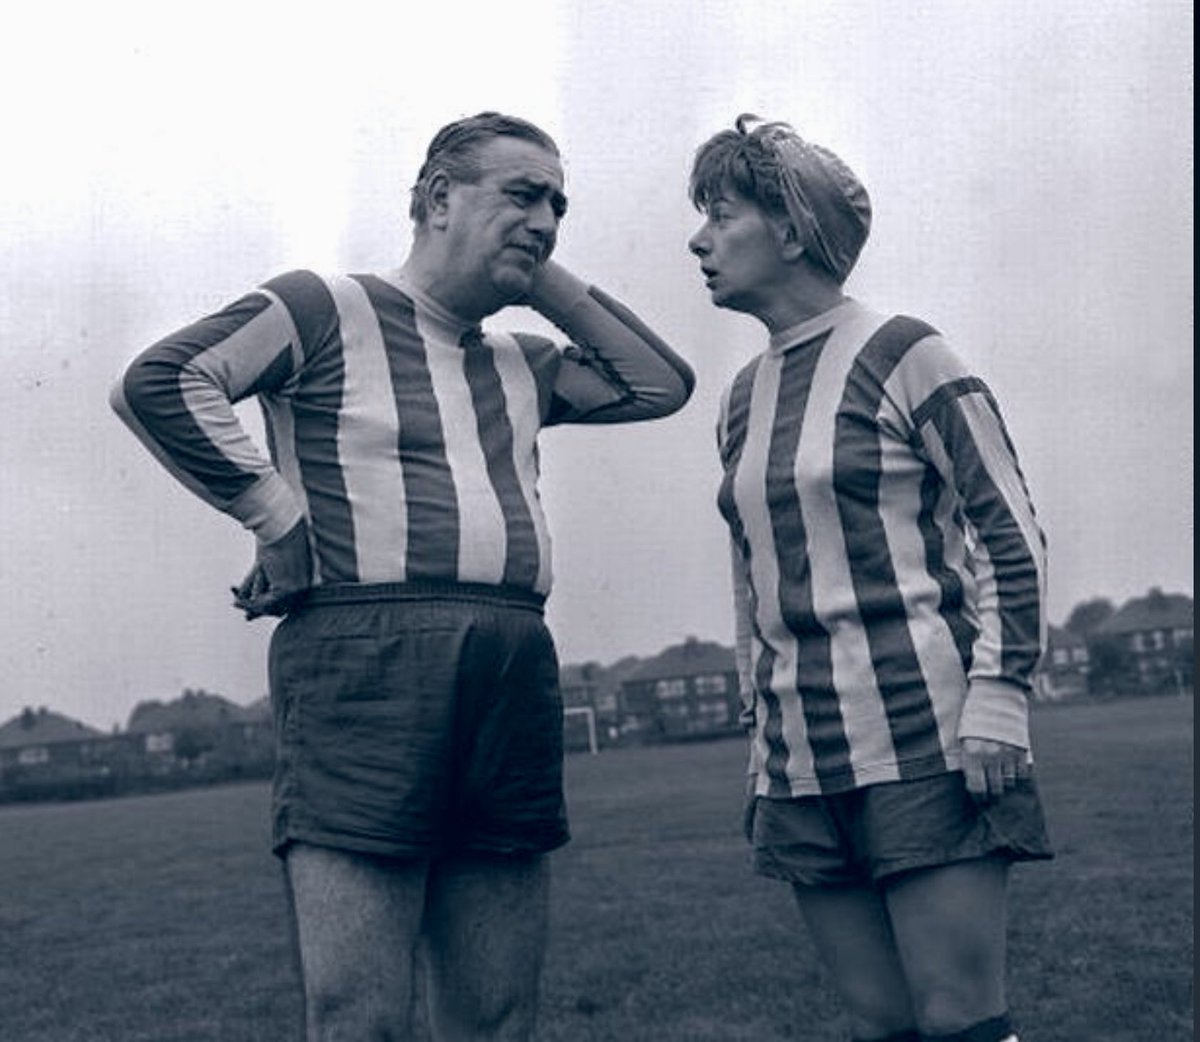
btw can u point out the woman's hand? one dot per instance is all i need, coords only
(992, 767)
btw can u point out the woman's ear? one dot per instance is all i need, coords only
(791, 245)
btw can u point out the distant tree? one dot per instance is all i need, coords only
(192, 743)
(1086, 616)
(1112, 668)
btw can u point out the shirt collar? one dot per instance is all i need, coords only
(811, 328)
(454, 326)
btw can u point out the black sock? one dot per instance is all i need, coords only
(997, 1029)
(912, 1035)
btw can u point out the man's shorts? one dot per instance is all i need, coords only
(868, 834)
(417, 720)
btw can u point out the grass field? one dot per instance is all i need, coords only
(161, 918)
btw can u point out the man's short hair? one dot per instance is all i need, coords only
(454, 151)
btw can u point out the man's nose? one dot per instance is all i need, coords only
(540, 217)
(698, 243)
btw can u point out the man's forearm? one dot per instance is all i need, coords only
(631, 373)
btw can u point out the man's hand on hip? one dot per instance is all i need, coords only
(282, 573)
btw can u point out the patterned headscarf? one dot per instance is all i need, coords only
(826, 203)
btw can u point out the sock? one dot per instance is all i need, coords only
(996, 1029)
(899, 1036)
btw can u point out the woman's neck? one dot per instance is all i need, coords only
(805, 299)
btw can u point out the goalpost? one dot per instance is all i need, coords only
(590, 715)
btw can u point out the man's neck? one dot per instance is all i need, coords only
(431, 279)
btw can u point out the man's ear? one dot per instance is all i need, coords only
(437, 198)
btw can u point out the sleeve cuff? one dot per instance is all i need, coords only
(997, 710)
(268, 508)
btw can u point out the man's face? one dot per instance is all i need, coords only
(501, 229)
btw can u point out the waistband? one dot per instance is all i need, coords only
(425, 590)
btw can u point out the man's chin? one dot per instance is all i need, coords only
(513, 285)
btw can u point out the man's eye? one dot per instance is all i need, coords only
(522, 197)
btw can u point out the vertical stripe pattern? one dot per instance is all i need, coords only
(404, 437)
(890, 546)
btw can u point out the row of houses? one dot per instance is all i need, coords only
(1146, 646)
(200, 737)
(688, 691)
(691, 690)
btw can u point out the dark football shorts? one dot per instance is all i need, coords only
(868, 834)
(417, 720)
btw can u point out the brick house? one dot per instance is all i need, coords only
(689, 690)
(203, 730)
(1064, 667)
(1155, 635)
(591, 686)
(44, 752)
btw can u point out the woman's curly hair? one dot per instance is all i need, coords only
(742, 160)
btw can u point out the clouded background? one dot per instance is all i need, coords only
(1030, 165)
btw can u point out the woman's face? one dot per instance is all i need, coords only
(740, 250)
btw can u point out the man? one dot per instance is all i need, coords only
(414, 685)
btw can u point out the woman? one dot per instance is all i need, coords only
(889, 584)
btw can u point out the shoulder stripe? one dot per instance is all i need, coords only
(946, 394)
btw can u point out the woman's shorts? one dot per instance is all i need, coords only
(865, 835)
(417, 721)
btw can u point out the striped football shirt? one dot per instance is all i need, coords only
(889, 570)
(405, 437)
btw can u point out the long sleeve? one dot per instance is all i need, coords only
(961, 427)
(177, 396)
(615, 370)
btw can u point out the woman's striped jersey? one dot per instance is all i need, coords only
(889, 570)
(405, 437)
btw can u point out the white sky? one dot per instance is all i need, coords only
(1030, 165)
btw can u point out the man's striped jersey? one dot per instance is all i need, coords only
(405, 437)
(887, 559)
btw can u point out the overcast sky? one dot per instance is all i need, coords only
(1030, 165)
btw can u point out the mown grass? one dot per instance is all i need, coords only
(161, 918)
